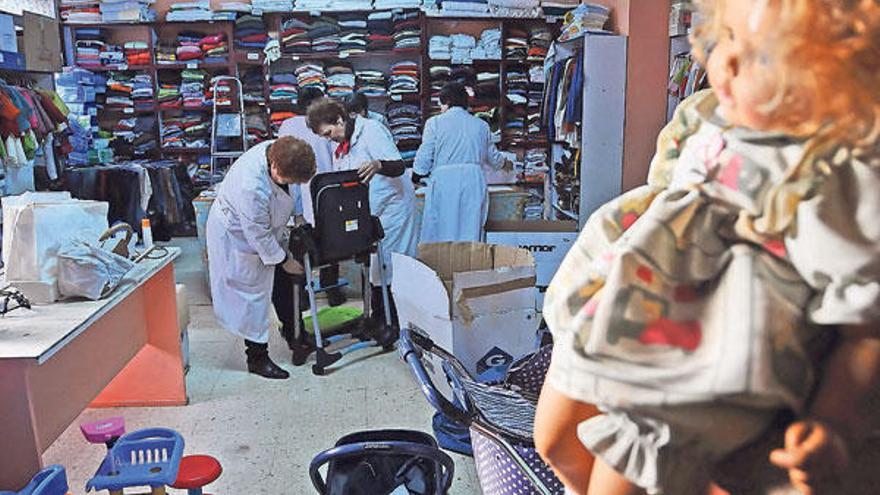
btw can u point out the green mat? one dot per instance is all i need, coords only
(330, 319)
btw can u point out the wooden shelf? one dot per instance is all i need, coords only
(335, 55)
(189, 65)
(186, 151)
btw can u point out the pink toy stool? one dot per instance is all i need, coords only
(195, 472)
(105, 431)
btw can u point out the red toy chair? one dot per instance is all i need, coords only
(195, 472)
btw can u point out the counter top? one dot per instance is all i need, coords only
(40, 332)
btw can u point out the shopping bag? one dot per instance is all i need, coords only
(86, 270)
(36, 225)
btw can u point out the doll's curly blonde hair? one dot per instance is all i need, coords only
(827, 52)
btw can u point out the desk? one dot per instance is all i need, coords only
(58, 359)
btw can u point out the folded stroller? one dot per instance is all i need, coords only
(383, 462)
(344, 230)
(500, 416)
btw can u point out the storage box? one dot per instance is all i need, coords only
(548, 242)
(475, 300)
(8, 42)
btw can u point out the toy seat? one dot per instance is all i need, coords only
(195, 472)
(148, 457)
(105, 431)
(50, 481)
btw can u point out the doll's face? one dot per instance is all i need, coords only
(737, 68)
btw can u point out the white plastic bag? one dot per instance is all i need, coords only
(35, 225)
(85, 270)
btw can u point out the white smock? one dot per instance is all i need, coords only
(323, 148)
(392, 199)
(455, 146)
(246, 233)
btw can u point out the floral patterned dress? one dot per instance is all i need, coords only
(693, 309)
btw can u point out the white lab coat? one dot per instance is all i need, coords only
(246, 234)
(323, 148)
(392, 199)
(455, 146)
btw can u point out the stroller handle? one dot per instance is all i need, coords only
(444, 479)
(411, 354)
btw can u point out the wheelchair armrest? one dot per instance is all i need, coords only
(302, 241)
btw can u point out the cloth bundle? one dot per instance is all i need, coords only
(539, 43)
(119, 11)
(80, 12)
(311, 74)
(137, 53)
(272, 5)
(515, 8)
(405, 121)
(189, 11)
(464, 7)
(404, 78)
(252, 85)
(488, 46)
(340, 81)
(353, 34)
(250, 34)
(407, 32)
(371, 83)
(135, 137)
(190, 130)
(516, 45)
(193, 90)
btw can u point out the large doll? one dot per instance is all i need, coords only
(744, 280)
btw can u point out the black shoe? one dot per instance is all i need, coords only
(335, 297)
(259, 363)
(266, 368)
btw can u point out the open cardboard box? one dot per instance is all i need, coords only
(475, 300)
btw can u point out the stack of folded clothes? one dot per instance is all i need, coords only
(89, 44)
(404, 78)
(250, 34)
(464, 7)
(188, 47)
(126, 11)
(257, 129)
(283, 92)
(234, 6)
(80, 11)
(324, 34)
(313, 5)
(353, 34)
(536, 100)
(142, 93)
(405, 120)
(516, 45)
(585, 18)
(169, 96)
(440, 47)
(539, 43)
(112, 56)
(295, 37)
(192, 89)
(215, 47)
(340, 80)
(196, 130)
(396, 4)
(558, 8)
(371, 83)
(189, 11)
(462, 47)
(135, 137)
(381, 28)
(252, 85)
(488, 46)
(515, 8)
(166, 54)
(118, 96)
(517, 104)
(407, 31)
(311, 75)
(348, 5)
(488, 88)
(276, 118)
(272, 5)
(137, 53)
(440, 76)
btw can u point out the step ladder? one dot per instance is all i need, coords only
(227, 124)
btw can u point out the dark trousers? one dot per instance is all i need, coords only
(282, 292)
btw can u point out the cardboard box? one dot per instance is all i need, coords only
(42, 43)
(475, 300)
(548, 242)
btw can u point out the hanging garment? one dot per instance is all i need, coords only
(454, 149)
(392, 199)
(245, 236)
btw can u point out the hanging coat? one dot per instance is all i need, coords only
(246, 233)
(392, 199)
(455, 146)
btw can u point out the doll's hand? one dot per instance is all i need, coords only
(815, 455)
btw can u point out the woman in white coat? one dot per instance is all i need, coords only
(455, 146)
(364, 145)
(246, 235)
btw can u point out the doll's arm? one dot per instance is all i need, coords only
(817, 449)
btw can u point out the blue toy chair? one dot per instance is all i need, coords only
(149, 457)
(50, 481)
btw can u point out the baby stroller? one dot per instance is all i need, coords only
(500, 416)
(344, 230)
(383, 462)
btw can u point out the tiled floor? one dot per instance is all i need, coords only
(264, 432)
